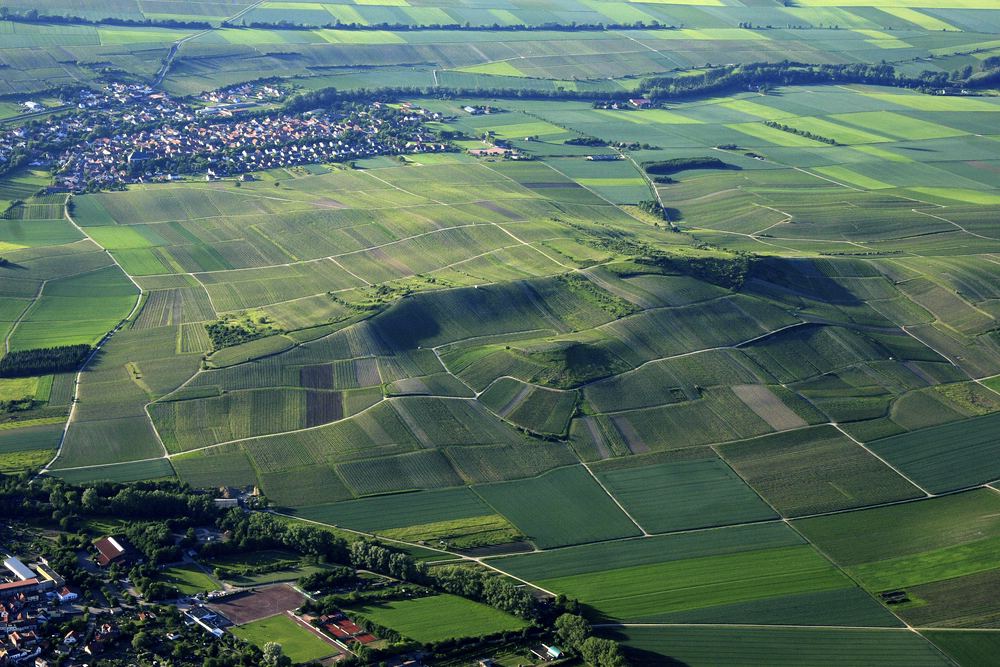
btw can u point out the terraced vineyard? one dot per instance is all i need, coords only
(723, 368)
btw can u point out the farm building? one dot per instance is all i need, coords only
(493, 151)
(114, 550)
(640, 103)
(547, 652)
(19, 569)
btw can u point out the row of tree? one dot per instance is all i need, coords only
(762, 76)
(25, 363)
(34, 16)
(802, 133)
(674, 165)
(550, 26)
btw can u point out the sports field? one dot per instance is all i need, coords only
(297, 642)
(439, 617)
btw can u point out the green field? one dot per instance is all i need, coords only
(298, 643)
(782, 468)
(439, 617)
(188, 580)
(566, 506)
(686, 494)
(814, 647)
(918, 543)
(713, 576)
(947, 457)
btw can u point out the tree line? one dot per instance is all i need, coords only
(711, 81)
(552, 26)
(25, 363)
(34, 16)
(802, 133)
(674, 165)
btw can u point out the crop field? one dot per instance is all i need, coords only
(709, 576)
(947, 457)
(933, 546)
(685, 494)
(819, 647)
(565, 506)
(439, 617)
(782, 469)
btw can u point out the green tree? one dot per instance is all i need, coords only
(274, 656)
(572, 631)
(91, 501)
(602, 653)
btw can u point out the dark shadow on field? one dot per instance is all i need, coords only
(406, 324)
(916, 148)
(672, 214)
(7, 264)
(638, 656)
(98, 355)
(784, 279)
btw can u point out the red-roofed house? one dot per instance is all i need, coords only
(28, 587)
(113, 550)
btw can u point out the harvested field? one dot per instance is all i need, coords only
(259, 603)
(768, 407)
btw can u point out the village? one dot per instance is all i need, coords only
(98, 598)
(133, 134)
(44, 621)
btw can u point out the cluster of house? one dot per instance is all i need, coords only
(633, 103)
(500, 148)
(240, 96)
(239, 146)
(116, 135)
(116, 106)
(90, 644)
(480, 110)
(25, 597)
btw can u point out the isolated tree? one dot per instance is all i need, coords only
(572, 630)
(602, 653)
(274, 656)
(90, 500)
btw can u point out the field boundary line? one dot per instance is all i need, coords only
(734, 346)
(784, 626)
(645, 533)
(647, 46)
(31, 304)
(317, 260)
(396, 187)
(847, 575)
(385, 399)
(824, 178)
(779, 519)
(345, 270)
(108, 465)
(538, 250)
(100, 344)
(455, 556)
(960, 227)
(935, 350)
(897, 470)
